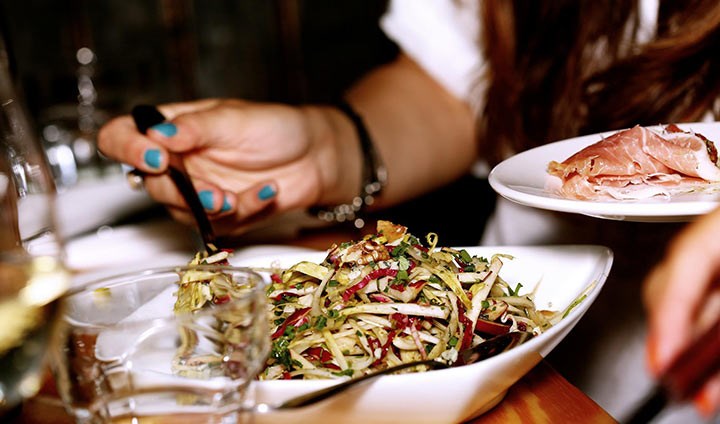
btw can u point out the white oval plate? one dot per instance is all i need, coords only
(557, 274)
(522, 178)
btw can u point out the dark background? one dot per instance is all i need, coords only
(171, 50)
(158, 51)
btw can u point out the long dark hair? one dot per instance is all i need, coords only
(561, 68)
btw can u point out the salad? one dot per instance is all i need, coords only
(198, 288)
(219, 334)
(387, 299)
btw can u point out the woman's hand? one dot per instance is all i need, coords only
(682, 297)
(250, 160)
(247, 160)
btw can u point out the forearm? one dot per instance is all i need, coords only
(424, 135)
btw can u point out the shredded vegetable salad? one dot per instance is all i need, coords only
(387, 299)
(198, 287)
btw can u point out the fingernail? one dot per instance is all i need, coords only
(168, 129)
(266, 192)
(206, 198)
(651, 354)
(225, 206)
(704, 403)
(152, 158)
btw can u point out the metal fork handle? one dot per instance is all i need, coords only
(176, 171)
(322, 394)
(487, 349)
(145, 116)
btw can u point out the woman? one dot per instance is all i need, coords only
(477, 82)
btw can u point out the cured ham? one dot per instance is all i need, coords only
(638, 163)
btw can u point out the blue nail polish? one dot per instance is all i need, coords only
(168, 129)
(152, 158)
(225, 206)
(206, 198)
(266, 192)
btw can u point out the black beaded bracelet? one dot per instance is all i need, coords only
(374, 177)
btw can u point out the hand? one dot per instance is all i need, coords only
(247, 160)
(251, 160)
(682, 297)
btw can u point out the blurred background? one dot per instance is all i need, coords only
(80, 62)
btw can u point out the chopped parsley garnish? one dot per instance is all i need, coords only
(320, 322)
(512, 292)
(289, 332)
(280, 353)
(401, 277)
(348, 372)
(400, 250)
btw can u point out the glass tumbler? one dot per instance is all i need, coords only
(129, 353)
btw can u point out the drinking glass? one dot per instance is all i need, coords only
(129, 356)
(32, 276)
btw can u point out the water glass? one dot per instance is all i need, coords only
(129, 353)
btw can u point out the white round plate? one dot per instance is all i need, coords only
(522, 179)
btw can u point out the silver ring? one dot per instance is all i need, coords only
(135, 179)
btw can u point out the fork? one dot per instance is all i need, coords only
(487, 349)
(145, 116)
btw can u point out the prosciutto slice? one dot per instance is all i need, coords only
(637, 163)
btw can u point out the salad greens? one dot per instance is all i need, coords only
(388, 299)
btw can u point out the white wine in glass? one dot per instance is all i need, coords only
(32, 276)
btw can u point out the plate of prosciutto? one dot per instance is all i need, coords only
(664, 173)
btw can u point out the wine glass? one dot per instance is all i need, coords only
(32, 276)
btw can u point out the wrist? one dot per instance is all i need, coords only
(355, 149)
(337, 155)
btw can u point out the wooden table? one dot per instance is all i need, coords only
(541, 396)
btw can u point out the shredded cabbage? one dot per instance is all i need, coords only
(371, 304)
(389, 299)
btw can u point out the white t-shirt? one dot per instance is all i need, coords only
(605, 351)
(443, 37)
